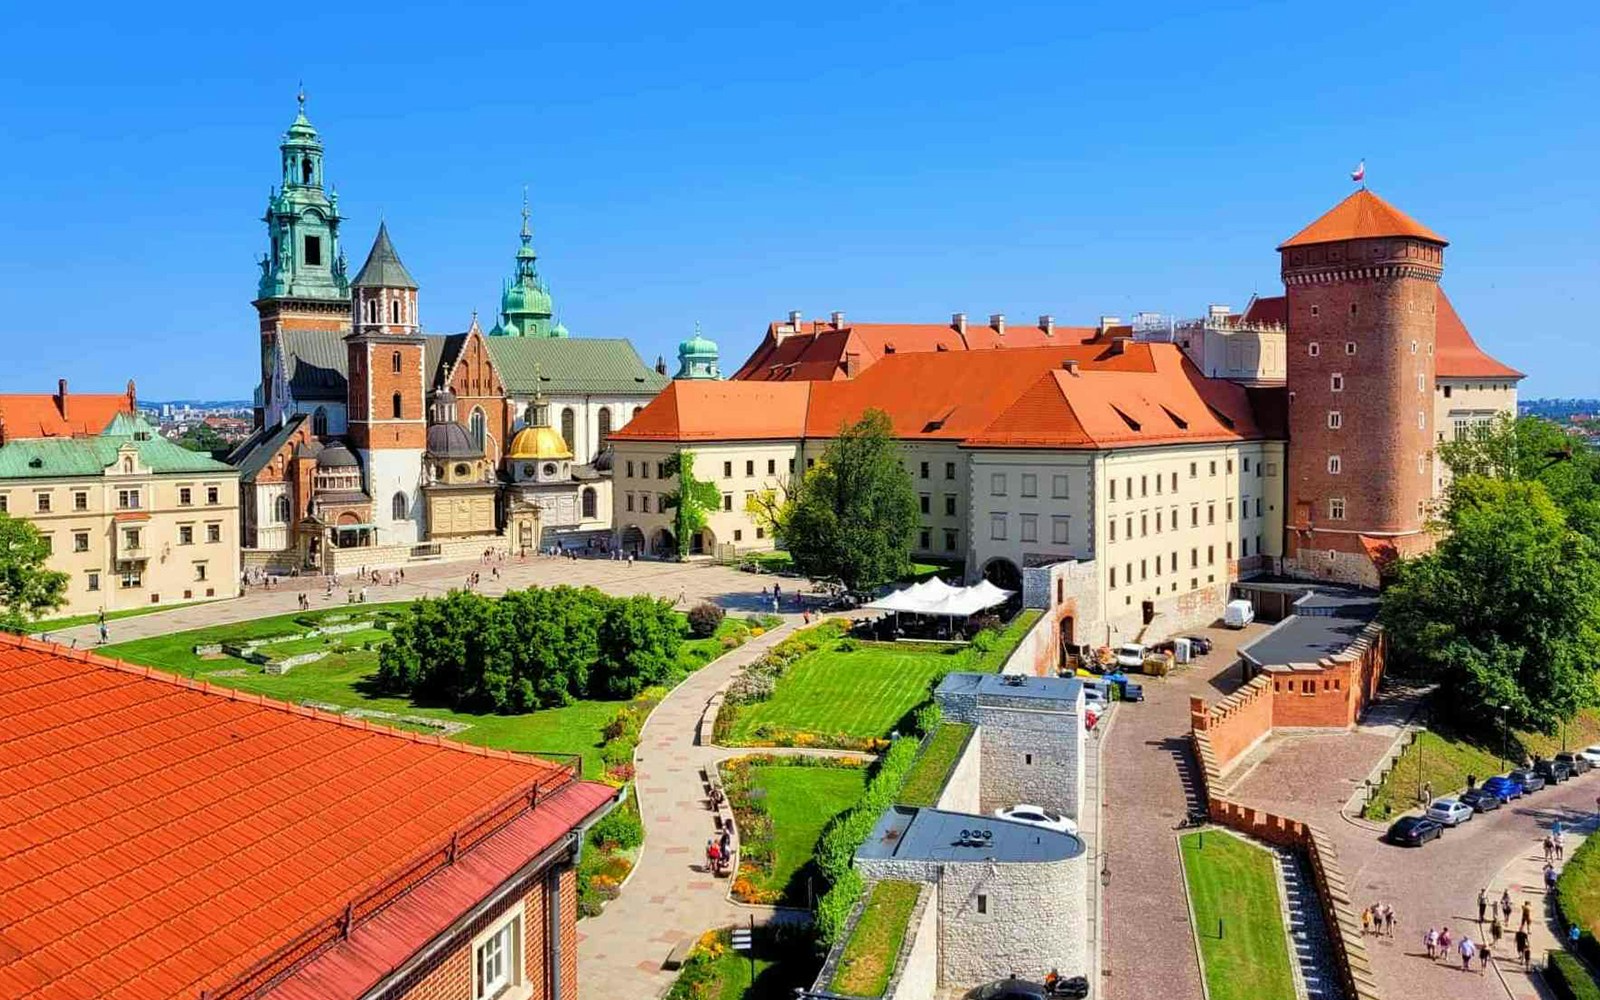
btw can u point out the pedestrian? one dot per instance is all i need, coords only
(1430, 941)
(1549, 877)
(1549, 849)
(1483, 903)
(1444, 943)
(1483, 958)
(1366, 921)
(1505, 904)
(1560, 840)
(1527, 916)
(1427, 791)
(1388, 920)
(1467, 952)
(1496, 928)
(1523, 951)
(105, 635)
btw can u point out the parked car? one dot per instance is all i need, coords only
(1064, 988)
(1132, 691)
(1576, 762)
(1481, 799)
(1130, 656)
(1450, 812)
(1413, 831)
(1531, 781)
(1238, 614)
(1201, 644)
(1506, 788)
(1038, 816)
(1591, 754)
(1552, 771)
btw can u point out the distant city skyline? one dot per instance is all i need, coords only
(726, 165)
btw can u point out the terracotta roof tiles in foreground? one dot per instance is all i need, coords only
(159, 837)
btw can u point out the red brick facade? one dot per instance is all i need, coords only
(477, 386)
(381, 370)
(1361, 380)
(278, 315)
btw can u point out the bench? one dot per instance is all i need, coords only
(678, 955)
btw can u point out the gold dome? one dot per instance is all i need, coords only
(538, 443)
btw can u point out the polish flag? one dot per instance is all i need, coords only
(1359, 174)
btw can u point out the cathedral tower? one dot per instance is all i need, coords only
(302, 284)
(526, 309)
(1362, 287)
(387, 417)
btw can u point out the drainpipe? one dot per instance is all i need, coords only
(553, 951)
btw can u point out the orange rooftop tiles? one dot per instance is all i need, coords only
(1363, 215)
(61, 414)
(159, 837)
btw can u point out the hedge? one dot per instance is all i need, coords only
(1569, 979)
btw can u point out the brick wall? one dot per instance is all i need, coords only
(1334, 691)
(373, 383)
(1236, 723)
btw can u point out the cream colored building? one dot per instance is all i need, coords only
(131, 518)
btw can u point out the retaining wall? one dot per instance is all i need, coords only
(1236, 723)
(962, 788)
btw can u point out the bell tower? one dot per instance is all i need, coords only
(302, 283)
(1362, 289)
(386, 404)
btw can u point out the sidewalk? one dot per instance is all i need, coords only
(1524, 877)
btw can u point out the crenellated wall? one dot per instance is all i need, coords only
(1236, 723)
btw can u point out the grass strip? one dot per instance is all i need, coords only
(873, 948)
(1233, 888)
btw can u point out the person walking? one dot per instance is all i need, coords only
(1523, 951)
(1388, 920)
(105, 634)
(1483, 958)
(1549, 849)
(1527, 916)
(1483, 903)
(1366, 920)
(1430, 942)
(1505, 904)
(1467, 952)
(1496, 928)
(1560, 839)
(1549, 878)
(1444, 943)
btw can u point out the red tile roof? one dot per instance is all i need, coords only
(1271, 310)
(159, 836)
(820, 354)
(1457, 355)
(42, 414)
(1361, 216)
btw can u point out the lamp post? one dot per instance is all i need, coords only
(1505, 734)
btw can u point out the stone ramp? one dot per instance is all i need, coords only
(1315, 977)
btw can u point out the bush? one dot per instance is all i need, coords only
(1568, 978)
(704, 619)
(619, 829)
(928, 717)
(835, 906)
(847, 646)
(984, 641)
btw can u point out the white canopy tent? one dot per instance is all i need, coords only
(935, 597)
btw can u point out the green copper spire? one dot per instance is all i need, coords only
(302, 220)
(697, 358)
(526, 309)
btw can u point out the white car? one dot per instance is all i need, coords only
(1450, 812)
(1592, 754)
(1130, 655)
(1038, 816)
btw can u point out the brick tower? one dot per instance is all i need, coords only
(302, 284)
(388, 423)
(1362, 287)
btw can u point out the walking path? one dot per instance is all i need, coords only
(1523, 877)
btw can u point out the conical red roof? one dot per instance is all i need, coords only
(1363, 215)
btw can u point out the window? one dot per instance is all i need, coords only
(1113, 578)
(949, 540)
(1174, 482)
(569, 427)
(1144, 569)
(727, 470)
(497, 960)
(983, 903)
(313, 243)
(922, 470)
(1313, 348)
(1336, 509)
(1194, 558)
(750, 467)
(394, 406)
(185, 496)
(1059, 530)
(1229, 512)
(200, 571)
(479, 425)
(93, 582)
(80, 541)
(213, 495)
(1144, 525)
(130, 576)
(791, 466)
(319, 422)
(5, 503)
(397, 507)
(1058, 487)
(590, 503)
(924, 503)
(42, 502)
(1247, 464)
(1349, 347)
(1030, 484)
(1354, 308)
(1211, 513)
(1334, 465)
(49, 544)
(1194, 469)
(1336, 382)
(1422, 420)
(605, 425)
(1258, 511)
(1030, 527)
(1144, 486)
(1113, 489)
(727, 501)
(1113, 526)
(185, 534)
(949, 470)
(644, 470)
(630, 502)
(924, 539)
(997, 484)
(1230, 466)
(661, 470)
(130, 538)
(997, 527)
(1335, 420)
(80, 500)
(214, 531)
(394, 362)
(1194, 516)
(644, 503)
(1315, 310)
(394, 313)
(1211, 555)
(1213, 467)
(1446, 392)
(811, 463)
(128, 499)
(950, 505)
(772, 466)
(1230, 550)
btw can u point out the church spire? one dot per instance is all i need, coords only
(302, 220)
(526, 309)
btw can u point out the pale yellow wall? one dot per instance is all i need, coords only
(737, 468)
(1023, 493)
(1459, 405)
(170, 566)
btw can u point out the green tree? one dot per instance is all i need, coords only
(1533, 449)
(1506, 611)
(854, 515)
(689, 501)
(28, 587)
(204, 437)
(639, 640)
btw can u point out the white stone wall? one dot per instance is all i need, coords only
(917, 975)
(271, 535)
(390, 471)
(1024, 502)
(961, 789)
(1031, 755)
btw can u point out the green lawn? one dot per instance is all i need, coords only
(865, 693)
(802, 801)
(1234, 882)
(869, 956)
(343, 679)
(933, 765)
(780, 967)
(1578, 900)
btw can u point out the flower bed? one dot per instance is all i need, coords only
(781, 806)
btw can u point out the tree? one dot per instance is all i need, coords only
(1533, 449)
(204, 437)
(28, 588)
(854, 514)
(690, 501)
(1506, 611)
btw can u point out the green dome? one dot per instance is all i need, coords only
(697, 345)
(509, 329)
(525, 299)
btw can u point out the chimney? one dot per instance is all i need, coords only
(1106, 322)
(1047, 323)
(61, 397)
(1217, 311)
(852, 364)
(998, 322)
(1119, 345)
(133, 397)
(959, 321)
(1070, 366)
(837, 319)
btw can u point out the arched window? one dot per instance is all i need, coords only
(394, 362)
(394, 402)
(319, 422)
(569, 426)
(479, 427)
(397, 506)
(282, 512)
(588, 503)
(394, 311)
(306, 173)
(638, 410)
(605, 425)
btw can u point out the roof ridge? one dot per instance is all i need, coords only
(151, 673)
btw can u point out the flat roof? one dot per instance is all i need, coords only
(1327, 620)
(907, 833)
(1011, 686)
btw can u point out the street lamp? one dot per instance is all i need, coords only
(1505, 734)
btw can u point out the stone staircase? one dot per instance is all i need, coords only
(1315, 975)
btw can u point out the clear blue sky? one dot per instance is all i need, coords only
(727, 163)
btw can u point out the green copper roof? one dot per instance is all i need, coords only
(383, 268)
(572, 366)
(45, 458)
(526, 306)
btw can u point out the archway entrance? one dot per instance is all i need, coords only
(665, 544)
(704, 541)
(633, 540)
(1003, 573)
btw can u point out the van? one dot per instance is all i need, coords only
(1238, 614)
